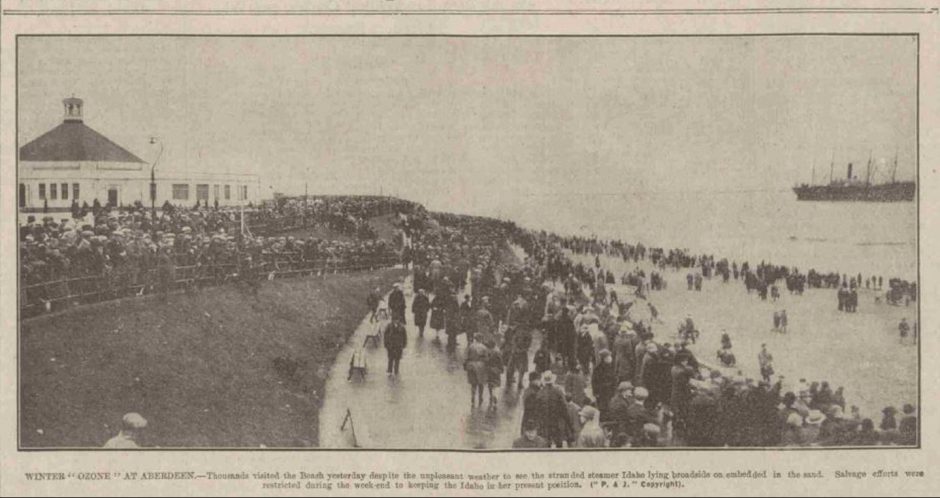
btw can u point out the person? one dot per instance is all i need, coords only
(592, 435)
(618, 407)
(637, 415)
(907, 428)
(681, 374)
(396, 340)
(585, 349)
(396, 303)
(420, 306)
(904, 329)
(766, 362)
(530, 408)
(373, 303)
(132, 426)
(554, 426)
(530, 437)
(519, 356)
(567, 337)
(494, 370)
(476, 367)
(543, 358)
(603, 382)
(438, 313)
(575, 385)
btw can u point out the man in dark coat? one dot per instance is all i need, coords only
(554, 425)
(419, 307)
(396, 340)
(530, 404)
(396, 304)
(521, 341)
(567, 337)
(603, 382)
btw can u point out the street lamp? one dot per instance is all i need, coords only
(153, 184)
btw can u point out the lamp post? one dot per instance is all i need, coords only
(153, 184)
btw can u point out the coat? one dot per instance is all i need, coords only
(438, 312)
(419, 307)
(554, 424)
(476, 364)
(396, 339)
(624, 350)
(567, 338)
(396, 301)
(530, 405)
(603, 384)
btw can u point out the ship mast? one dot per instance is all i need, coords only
(868, 170)
(832, 164)
(894, 171)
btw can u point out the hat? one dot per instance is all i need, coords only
(624, 386)
(530, 425)
(548, 377)
(651, 429)
(588, 412)
(134, 421)
(640, 393)
(908, 408)
(794, 420)
(815, 417)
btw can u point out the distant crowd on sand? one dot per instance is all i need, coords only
(599, 375)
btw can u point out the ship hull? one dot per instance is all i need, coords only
(886, 192)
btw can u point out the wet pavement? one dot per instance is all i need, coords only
(426, 406)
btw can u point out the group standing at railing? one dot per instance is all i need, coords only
(120, 253)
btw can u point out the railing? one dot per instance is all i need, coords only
(49, 296)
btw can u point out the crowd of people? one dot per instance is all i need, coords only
(112, 253)
(599, 375)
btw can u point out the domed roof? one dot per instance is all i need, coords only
(74, 141)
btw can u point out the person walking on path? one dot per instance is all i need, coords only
(530, 406)
(477, 369)
(420, 306)
(396, 303)
(375, 297)
(555, 426)
(396, 340)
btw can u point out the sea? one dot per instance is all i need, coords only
(770, 226)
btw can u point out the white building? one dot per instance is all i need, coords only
(74, 162)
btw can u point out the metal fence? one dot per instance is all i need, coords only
(50, 296)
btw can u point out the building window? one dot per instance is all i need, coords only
(180, 192)
(202, 192)
(75, 191)
(53, 192)
(215, 192)
(42, 190)
(22, 195)
(65, 191)
(242, 192)
(228, 192)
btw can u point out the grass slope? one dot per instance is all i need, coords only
(199, 367)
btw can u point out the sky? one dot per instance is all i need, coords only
(467, 124)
